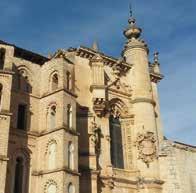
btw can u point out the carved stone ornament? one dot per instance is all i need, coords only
(99, 106)
(147, 147)
(95, 137)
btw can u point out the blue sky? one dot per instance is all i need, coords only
(168, 26)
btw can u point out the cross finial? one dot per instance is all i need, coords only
(130, 10)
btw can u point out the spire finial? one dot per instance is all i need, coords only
(132, 31)
(130, 10)
(156, 57)
(95, 46)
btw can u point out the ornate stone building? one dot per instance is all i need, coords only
(81, 121)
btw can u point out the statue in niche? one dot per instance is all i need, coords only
(96, 137)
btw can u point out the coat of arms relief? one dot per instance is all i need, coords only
(146, 144)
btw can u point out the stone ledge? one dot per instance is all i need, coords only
(59, 90)
(7, 71)
(4, 158)
(146, 100)
(37, 134)
(64, 169)
(71, 131)
(5, 113)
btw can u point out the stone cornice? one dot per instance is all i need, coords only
(184, 147)
(88, 53)
(65, 128)
(155, 77)
(64, 169)
(119, 93)
(146, 100)
(97, 87)
(7, 71)
(58, 90)
(5, 113)
(4, 158)
(135, 43)
(46, 94)
(40, 134)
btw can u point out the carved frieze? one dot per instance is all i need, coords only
(146, 147)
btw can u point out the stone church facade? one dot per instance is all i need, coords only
(81, 121)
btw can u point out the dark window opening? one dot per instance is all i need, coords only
(21, 124)
(53, 117)
(2, 58)
(1, 90)
(55, 82)
(18, 182)
(116, 146)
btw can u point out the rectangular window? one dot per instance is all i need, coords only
(21, 122)
(2, 58)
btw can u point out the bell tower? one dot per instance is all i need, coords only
(145, 128)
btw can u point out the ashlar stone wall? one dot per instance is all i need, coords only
(178, 168)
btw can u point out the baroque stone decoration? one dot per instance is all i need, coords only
(69, 122)
(146, 144)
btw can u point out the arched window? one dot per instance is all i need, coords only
(70, 155)
(52, 188)
(55, 82)
(52, 117)
(69, 81)
(1, 93)
(22, 117)
(22, 80)
(52, 155)
(19, 173)
(2, 58)
(71, 188)
(69, 116)
(116, 147)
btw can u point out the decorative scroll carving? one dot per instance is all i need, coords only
(117, 108)
(147, 147)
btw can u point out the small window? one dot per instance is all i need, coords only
(69, 82)
(55, 82)
(22, 81)
(52, 155)
(1, 93)
(69, 116)
(52, 188)
(71, 188)
(22, 113)
(70, 155)
(52, 117)
(2, 58)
